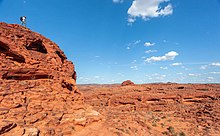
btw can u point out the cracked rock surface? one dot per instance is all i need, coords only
(38, 92)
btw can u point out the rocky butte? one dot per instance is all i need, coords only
(38, 92)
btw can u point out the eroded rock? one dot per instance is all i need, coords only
(38, 89)
(127, 82)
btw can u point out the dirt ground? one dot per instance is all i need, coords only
(157, 109)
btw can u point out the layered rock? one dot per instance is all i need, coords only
(158, 109)
(38, 92)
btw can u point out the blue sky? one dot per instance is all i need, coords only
(146, 41)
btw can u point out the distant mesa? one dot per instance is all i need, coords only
(127, 83)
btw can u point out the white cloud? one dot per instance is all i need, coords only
(210, 78)
(131, 20)
(137, 42)
(215, 64)
(112, 81)
(96, 77)
(134, 67)
(118, 1)
(168, 56)
(215, 73)
(194, 75)
(164, 68)
(134, 61)
(204, 67)
(148, 9)
(150, 51)
(157, 76)
(191, 74)
(177, 64)
(132, 44)
(164, 41)
(84, 79)
(149, 44)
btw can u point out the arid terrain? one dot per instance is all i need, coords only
(157, 109)
(39, 97)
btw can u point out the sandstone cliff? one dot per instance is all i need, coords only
(38, 93)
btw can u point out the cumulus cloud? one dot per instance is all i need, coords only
(168, 56)
(132, 44)
(150, 51)
(190, 74)
(148, 9)
(164, 68)
(131, 20)
(204, 67)
(210, 78)
(215, 64)
(96, 77)
(134, 61)
(215, 73)
(149, 44)
(118, 1)
(194, 75)
(156, 76)
(84, 79)
(134, 67)
(176, 64)
(137, 42)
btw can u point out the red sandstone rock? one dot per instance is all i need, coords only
(38, 87)
(127, 82)
(157, 109)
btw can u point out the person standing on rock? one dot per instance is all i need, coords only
(23, 21)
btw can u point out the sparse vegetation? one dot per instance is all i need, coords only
(171, 132)
(162, 125)
(203, 89)
(169, 120)
(154, 124)
(182, 134)
(165, 133)
(171, 129)
(163, 117)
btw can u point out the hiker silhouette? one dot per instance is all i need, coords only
(23, 20)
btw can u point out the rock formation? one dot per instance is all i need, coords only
(38, 92)
(158, 109)
(127, 82)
